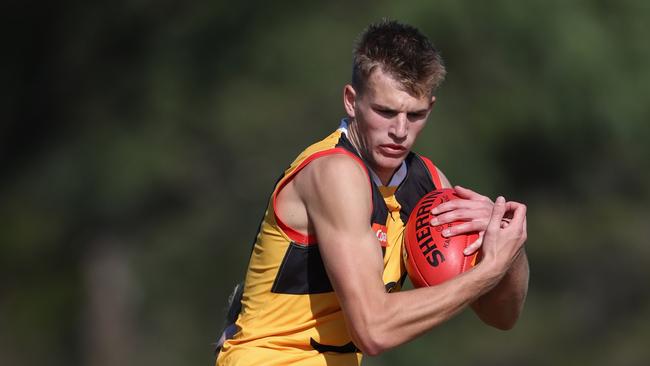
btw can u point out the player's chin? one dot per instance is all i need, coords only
(390, 161)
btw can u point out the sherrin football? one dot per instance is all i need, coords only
(431, 258)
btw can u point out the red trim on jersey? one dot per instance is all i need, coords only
(293, 234)
(433, 171)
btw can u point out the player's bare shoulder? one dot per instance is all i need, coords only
(327, 182)
(331, 171)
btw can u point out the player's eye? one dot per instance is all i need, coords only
(416, 116)
(386, 113)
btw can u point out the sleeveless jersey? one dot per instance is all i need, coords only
(290, 313)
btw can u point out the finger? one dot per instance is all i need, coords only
(467, 193)
(497, 214)
(464, 228)
(518, 213)
(511, 206)
(453, 216)
(446, 206)
(460, 204)
(490, 240)
(476, 245)
(525, 224)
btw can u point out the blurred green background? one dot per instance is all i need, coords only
(140, 140)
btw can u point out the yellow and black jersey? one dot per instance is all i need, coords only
(289, 311)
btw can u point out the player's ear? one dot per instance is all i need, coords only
(349, 100)
(433, 101)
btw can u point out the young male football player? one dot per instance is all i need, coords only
(323, 278)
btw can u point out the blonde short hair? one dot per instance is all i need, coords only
(401, 51)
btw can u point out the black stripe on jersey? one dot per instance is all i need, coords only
(322, 348)
(402, 279)
(379, 209)
(417, 183)
(302, 272)
(390, 286)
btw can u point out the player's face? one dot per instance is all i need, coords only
(386, 122)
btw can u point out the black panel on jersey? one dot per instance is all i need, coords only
(302, 272)
(322, 348)
(417, 183)
(379, 209)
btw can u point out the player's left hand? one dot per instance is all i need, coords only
(473, 209)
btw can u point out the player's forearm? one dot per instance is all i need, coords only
(409, 314)
(501, 306)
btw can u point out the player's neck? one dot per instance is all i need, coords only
(354, 137)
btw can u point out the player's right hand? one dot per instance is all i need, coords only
(504, 239)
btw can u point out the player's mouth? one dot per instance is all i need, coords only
(392, 150)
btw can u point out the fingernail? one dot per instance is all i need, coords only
(434, 211)
(466, 251)
(446, 232)
(434, 222)
(500, 199)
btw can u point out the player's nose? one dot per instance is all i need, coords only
(399, 128)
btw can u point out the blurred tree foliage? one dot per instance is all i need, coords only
(140, 140)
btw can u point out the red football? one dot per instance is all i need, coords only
(431, 258)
